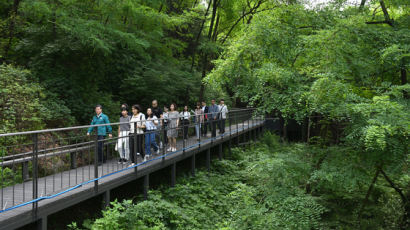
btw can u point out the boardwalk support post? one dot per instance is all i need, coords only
(220, 151)
(208, 159)
(42, 223)
(193, 165)
(146, 186)
(107, 198)
(173, 174)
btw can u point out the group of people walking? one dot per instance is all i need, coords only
(137, 128)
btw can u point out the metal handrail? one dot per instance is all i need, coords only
(83, 127)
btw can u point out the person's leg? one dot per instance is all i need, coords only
(170, 143)
(219, 125)
(205, 127)
(120, 144)
(165, 135)
(132, 149)
(186, 128)
(148, 143)
(197, 130)
(153, 141)
(223, 125)
(213, 128)
(140, 144)
(126, 148)
(100, 148)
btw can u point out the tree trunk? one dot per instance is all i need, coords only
(362, 3)
(199, 35)
(369, 191)
(13, 15)
(205, 59)
(404, 199)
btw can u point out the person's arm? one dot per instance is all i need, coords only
(91, 128)
(143, 121)
(119, 129)
(177, 121)
(108, 127)
(155, 120)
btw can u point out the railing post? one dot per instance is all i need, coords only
(73, 160)
(35, 173)
(96, 164)
(183, 136)
(200, 130)
(162, 134)
(24, 171)
(134, 150)
(237, 131)
(249, 133)
(230, 134)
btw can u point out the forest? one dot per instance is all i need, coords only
(338, 69)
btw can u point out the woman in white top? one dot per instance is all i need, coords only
(151, 125)
(185, 116)
(136, 133)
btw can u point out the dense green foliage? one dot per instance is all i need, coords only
(110, 52)
(339, 70)
(263, 187)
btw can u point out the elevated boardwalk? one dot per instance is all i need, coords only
(70, 187)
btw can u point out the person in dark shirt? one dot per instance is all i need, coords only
(157, 111)
(213, 116)
(125, 106)
(205, 124)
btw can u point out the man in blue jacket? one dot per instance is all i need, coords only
(102, 131)
(213, 116)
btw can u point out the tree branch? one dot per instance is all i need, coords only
(251, 11)
(398, 190)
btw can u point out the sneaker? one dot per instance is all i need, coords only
(146, 157)
(120, 161)
(138, 154)
(174, 149)
(132, 164)
(157, 152)
(169, 149)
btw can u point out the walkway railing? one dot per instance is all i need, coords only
(38, 165)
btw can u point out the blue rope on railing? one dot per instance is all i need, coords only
(113, 173)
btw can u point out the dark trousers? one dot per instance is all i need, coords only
(185, 123)
(100, 151)
(213, 127)
(136, 146)
(204, 127)
(164, 130)
(222, 126)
